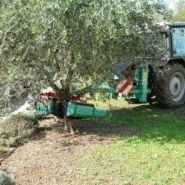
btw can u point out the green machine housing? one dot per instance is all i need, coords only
(74, 110)
(84, 110)
(140, 89)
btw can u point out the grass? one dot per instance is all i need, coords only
(6, 143)
(16, 128)
(154, 154)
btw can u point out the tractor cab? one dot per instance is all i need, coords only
(174, 40)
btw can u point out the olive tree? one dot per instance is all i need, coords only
(69, 43)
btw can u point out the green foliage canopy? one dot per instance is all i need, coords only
(72, 41)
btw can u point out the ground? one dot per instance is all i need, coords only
(135, 144)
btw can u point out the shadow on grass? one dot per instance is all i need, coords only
(152, 123)
(102, 128)
(145, 122)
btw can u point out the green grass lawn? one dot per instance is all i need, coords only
(153, 154)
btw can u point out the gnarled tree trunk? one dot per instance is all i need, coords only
(62, 110)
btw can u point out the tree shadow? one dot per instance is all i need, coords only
(102, 128)
(143, 122)
(153, 123)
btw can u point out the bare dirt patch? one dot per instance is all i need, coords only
(52, 157)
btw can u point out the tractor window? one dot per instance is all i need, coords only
(178, 41)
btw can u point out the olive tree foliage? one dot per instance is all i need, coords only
(69, 43)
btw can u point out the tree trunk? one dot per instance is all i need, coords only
(65, 98)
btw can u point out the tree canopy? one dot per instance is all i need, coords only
(71, 41)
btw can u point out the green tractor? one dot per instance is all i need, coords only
(164, 80)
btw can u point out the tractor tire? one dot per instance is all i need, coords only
(170, 86)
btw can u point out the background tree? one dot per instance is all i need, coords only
(67, 43)
(179, 14)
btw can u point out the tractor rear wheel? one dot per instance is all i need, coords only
(170, 86)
